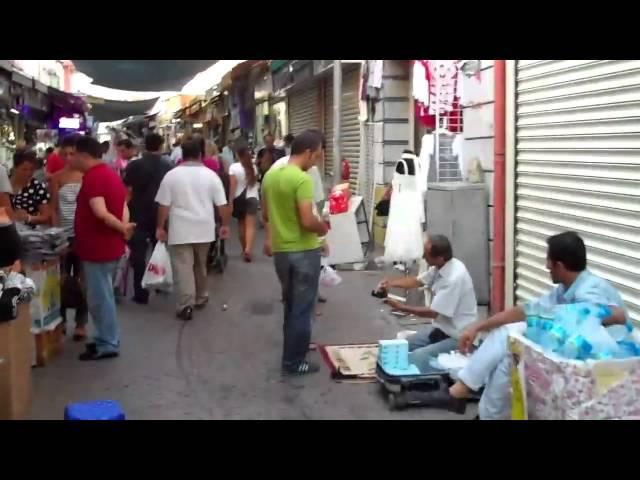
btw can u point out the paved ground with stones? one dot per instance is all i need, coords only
(225, 364)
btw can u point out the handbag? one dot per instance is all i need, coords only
(382, 208)
(71, 294)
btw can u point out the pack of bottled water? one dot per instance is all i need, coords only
(575, 331)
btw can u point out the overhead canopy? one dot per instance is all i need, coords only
(111, 110)
(142, 75)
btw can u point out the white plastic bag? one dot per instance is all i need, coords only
(159, 274)
(329, 277)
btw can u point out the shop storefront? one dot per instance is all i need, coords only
(7, 121)
(349, 123)
(575, 166)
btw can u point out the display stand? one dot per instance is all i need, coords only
(47, 328)
(349, 238)
(15, 366)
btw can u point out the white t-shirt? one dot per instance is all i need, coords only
(314, 173)
(453, 297)
(237, 170)
(176, 154)
(190, 191)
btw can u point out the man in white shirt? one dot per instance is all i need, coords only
(176, 154)
(453, 304)
(186, 199)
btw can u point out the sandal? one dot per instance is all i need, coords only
(79, 334)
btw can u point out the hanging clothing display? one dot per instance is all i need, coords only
(442, 86)
(403, 242)
(435, 87)
(421, 93)
(375, 73)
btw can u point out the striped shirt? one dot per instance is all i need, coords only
(67, 196)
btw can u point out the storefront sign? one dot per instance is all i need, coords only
(21, 79)
(69, 123)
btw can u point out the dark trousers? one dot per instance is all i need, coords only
(139, 246)
(72, 268)
(299, 273)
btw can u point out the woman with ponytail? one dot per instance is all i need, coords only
(243, 189)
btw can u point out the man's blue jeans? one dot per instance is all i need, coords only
(423, 350)
(102, 304)
(299, 273)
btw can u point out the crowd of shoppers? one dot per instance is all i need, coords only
(186, 200)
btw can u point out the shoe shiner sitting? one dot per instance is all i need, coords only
(453, 305)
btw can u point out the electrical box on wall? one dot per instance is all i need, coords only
(459, 211)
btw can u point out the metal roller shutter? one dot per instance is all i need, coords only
(350, 128)
(578, 168)
(303, 109)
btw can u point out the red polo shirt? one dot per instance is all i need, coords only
(55, 163)
(95, 241)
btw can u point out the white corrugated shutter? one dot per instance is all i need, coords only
(578, 168)
(303, 109)
(350, 127)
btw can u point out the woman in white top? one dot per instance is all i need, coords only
(243, 190)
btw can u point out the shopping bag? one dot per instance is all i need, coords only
(121, 275)
(158, 274)
(329, 277)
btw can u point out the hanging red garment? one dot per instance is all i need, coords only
(422, 93)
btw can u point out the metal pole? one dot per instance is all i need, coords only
(337, 108)
(437, 132)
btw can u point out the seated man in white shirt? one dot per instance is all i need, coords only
(453, 305)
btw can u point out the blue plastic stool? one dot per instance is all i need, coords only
(98, 410)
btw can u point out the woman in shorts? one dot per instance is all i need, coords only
(243, 190)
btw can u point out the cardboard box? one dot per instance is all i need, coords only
(15, 366)
(548, 387)
(45, 305)
(47, 343)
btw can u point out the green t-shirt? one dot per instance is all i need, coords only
(284, 188)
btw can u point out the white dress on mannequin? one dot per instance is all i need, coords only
(403, 241)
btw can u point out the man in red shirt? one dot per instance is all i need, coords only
(102, 227)
(55, 162)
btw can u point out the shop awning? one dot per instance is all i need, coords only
(142, 75)
(278, 64)
(111, 110)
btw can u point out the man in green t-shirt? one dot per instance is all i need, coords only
(294, 231)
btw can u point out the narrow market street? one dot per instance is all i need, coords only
(225, 364)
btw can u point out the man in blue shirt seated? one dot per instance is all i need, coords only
(490, 365)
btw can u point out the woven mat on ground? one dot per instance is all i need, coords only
(352, 363)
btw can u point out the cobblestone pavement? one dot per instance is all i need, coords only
(225, 364)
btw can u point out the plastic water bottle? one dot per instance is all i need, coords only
(597, 335)
(533, 329)
(576, 348)
(620, 333)
(546, 342)
(569, 316)
(556, 337)
(533, 322)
